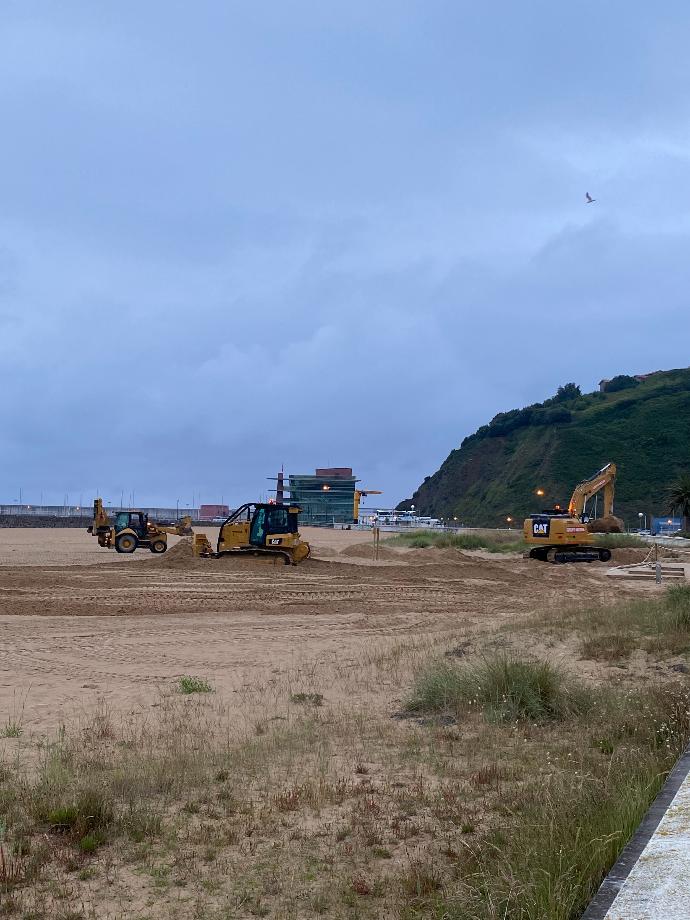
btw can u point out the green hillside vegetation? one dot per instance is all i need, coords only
(643, 426)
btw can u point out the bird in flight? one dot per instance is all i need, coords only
(589, 198)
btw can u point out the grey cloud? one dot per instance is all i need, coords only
(237, 235)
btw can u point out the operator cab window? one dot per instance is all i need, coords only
(279, 520)
(121, 520)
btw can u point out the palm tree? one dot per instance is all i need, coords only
(679, 499)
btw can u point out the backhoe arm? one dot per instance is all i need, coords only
(183, 528)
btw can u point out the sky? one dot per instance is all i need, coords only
(240, 235)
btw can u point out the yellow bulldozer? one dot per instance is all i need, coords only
(132, 529)
(561, 536)
(258, 529)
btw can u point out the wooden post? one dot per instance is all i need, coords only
(377, 540)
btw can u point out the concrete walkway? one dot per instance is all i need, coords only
(651, 880)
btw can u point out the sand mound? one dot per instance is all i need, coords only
(406, 556)
(179, 556)
(366, 551)
(629, 556)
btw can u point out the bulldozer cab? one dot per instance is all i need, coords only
(132, 520)
(272, 519)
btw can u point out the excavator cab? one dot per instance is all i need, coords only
(271, 519)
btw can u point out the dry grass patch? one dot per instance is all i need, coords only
(468, 807)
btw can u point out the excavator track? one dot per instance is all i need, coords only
(257, 553)
(559, 556)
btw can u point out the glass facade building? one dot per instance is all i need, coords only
(326, 497)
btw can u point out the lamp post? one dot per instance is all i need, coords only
(640, 515)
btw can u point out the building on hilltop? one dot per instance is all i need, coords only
(326, 497)
(640, 378)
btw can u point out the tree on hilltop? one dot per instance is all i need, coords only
(679, 499)
(568, 391)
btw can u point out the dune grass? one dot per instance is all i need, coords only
(498, 542)
(505, 687)
(620, 541)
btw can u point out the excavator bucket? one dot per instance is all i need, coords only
(201, 545)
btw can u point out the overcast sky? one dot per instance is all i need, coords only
(235, 235)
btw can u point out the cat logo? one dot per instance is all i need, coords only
(540, 528)
(275, 541)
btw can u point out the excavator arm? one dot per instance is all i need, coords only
(604, 479)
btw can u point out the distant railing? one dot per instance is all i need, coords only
(86, 511)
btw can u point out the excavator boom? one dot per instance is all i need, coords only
(604, 479)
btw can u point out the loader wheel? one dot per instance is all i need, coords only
(125, 543)
(158, 546)
(604, 555)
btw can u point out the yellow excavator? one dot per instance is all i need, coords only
(258, 529)
(568, 536)
(132, 529)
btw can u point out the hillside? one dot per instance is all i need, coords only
(641, 424)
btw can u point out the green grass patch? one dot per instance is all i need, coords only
(551, 854)
(620, 541)
(188, 684)
(498, 542)
(677, 608)
(506, 688)
(556, 834)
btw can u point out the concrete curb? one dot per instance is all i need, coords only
(612, 884)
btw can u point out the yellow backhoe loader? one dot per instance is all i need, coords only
(567, 536)
(132, 529)
(258, 529)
